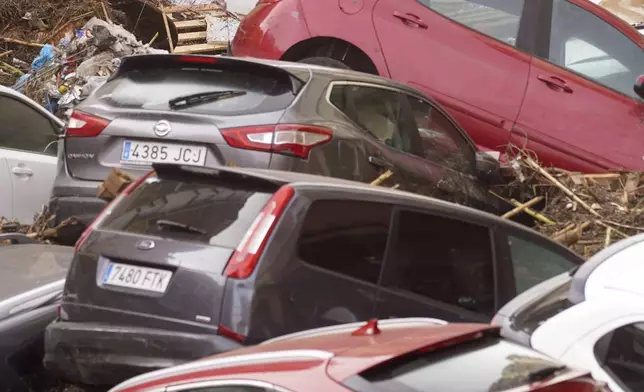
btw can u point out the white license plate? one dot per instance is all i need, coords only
(135, 277)
(148, 152)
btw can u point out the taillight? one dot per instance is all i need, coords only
(197, 59)
(85, 125)
(108, 208)
(243, 261)
(290, 139)
(224, 331)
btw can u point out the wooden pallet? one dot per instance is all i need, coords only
(191, 34)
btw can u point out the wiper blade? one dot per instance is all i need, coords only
(199, 98)
(545, 373)
(177, 226)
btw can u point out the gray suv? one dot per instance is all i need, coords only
(197, 261)
(224, 111)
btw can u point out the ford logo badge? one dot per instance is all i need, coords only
(145, 244)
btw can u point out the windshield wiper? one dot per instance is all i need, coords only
(545, 373)
(199, 98)
(177, 226)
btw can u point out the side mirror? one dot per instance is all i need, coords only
(639, 86)
(488, 168)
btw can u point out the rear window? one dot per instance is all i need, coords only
(216, 214)
(532, 316)
(486, 365)
(152, 89)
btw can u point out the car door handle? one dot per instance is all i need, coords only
(379, 162)
(554, 81)
(22, 171)
(411, 19)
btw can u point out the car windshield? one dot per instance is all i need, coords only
(487, 365)
(209, 213)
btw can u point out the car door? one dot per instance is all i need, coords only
(465, 54)
(580, 111)
(28, 146)
(6, 195)
(438, 266)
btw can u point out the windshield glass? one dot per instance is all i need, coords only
(487, 365)
(215, 214)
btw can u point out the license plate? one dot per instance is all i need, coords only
(135, 277)
(149, 152)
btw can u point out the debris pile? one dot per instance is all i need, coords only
(586, 212)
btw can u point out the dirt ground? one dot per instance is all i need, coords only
(630, 10)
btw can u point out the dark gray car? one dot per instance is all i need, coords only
(31, 286)
(223, 111)
(197, 261)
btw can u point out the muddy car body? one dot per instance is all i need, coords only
(271, 115)
(194, 261)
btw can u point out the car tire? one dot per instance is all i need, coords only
(325, 62)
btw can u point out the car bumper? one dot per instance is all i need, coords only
(99, 354)
(71, 197)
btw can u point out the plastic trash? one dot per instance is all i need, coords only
(47, 54)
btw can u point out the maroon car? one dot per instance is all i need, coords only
(554, 76)
(396, 355)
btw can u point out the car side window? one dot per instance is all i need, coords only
(621, 353)
(23, 128)
(497, 18)
(384, 113)
(441, 140)
(587, 45)
(443, 259)
(346, 237)
(533, 263)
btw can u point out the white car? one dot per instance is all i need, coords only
(29, 137)
(591, 318)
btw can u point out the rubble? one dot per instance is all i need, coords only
(586, 212)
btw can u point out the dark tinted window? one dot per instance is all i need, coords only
(23, 128)
(487, 365)
(624, 356)
(441, 141)
(533, 264)
(532, 316)
(496, 18)
(588, 45)
(384, 113)
(153, 88)
(346, 237)
(443, 259)
(221, 213)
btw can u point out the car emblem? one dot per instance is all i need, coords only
(145, 244)
(162, 128)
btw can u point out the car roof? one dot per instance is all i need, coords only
(320, 354)
(17, 95)
(408, 199)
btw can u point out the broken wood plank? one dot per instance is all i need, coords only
(382, 178)
(187, 37)
(200, 48)
(167, 30)
(190, 24)
(193, 8)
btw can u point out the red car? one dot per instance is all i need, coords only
(396, 355)
(553, 76)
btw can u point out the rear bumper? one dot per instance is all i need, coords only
(99, 354)
(72, 197)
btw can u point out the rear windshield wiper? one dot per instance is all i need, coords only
(545, 373)
(199, 98)
(177, 226)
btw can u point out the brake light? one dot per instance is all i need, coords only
(85, 125)
(243, 261)
(224, 331)
(290, 139)
(197, 59)
(108, 209)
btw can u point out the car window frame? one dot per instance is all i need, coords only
(542, 49)
(35, 111)
(509, 278)
(526, 35)
(435, 106)
(389, 263)
(331, 272)
(239, 382)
